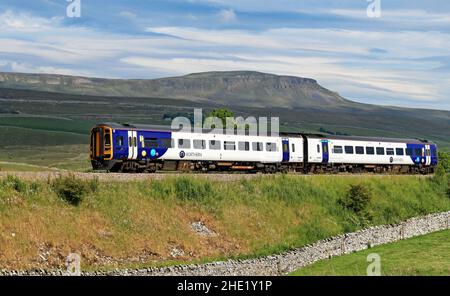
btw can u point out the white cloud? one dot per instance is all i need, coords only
(227, 15)
(24, 22)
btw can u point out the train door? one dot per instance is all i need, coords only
(325, 152)
(132, 145)
(285, 144)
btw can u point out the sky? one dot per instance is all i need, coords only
(401, 57)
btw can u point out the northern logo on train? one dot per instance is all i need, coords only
(182, 154)
(391, 159)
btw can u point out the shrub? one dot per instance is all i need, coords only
(357, 199)
(188, 189)
(14, 183)
(70, 189)
(444, 162)
(94, 184)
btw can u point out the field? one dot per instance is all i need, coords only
(424, 255)
(189, 219)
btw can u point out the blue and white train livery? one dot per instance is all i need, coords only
(126, 148)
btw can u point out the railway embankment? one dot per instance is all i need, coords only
(186, 221)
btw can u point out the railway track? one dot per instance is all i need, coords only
(125, 177)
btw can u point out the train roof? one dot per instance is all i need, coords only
(165, 128)
(369, 139)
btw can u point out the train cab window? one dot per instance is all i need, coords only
(119, 141)
(271, 147)
(409, 151)
(257, 146)
(199, 144)
(150, 143)
(337, 149)
(107, 139)
(293, 147)
(389, 151)
(243, 146)
(399, 151)
(184, 143)
(348, 149)
(380, 150)
(214, 145)
(359, 150)
(229, 145)
(370, 150)
(418, 151)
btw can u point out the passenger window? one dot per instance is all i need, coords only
(380, 150)
(318, 148)
(359, 150)
(119, 141)
(399, 151)
(184, 143)
(150, 143)
(214, 145)
(370, 150)
(166, 143)
(337, 149)
(199, 144)
(348, 149)
(390, 151)
(257, 146)
(228, 145)
(293, 147)
(270, 147)
(244, 146)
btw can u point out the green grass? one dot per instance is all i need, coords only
(424, 255)
(260, 216)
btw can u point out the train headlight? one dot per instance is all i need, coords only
(153, 152)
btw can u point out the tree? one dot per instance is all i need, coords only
(222, 114)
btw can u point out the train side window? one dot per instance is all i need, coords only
(337, 149)
(166, 143)
(348, 149)
(184, 143)
(318, 148)
(370, 150)
(390, 151)
(229, 145)
(150, 143)
(257, 146)
(293, 147)
(271, 147)
(380, 150)
(214, 145)
(119, 141)
(409, 151)
(359, 150)
(244, 146)
(399, 151)
(199, 144)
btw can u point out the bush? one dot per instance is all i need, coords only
(14, 183)
(443, 162)
(188, 189)
(70, 189)
(357, 199)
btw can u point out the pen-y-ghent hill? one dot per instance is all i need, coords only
(51, 111)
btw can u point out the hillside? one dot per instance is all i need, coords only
(237, 88)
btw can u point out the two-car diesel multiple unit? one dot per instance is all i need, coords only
(126, 148)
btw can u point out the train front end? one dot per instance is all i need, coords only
(101, 150)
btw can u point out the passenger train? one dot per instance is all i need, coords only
(131, 148)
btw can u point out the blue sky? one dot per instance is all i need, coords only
(401, 58)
